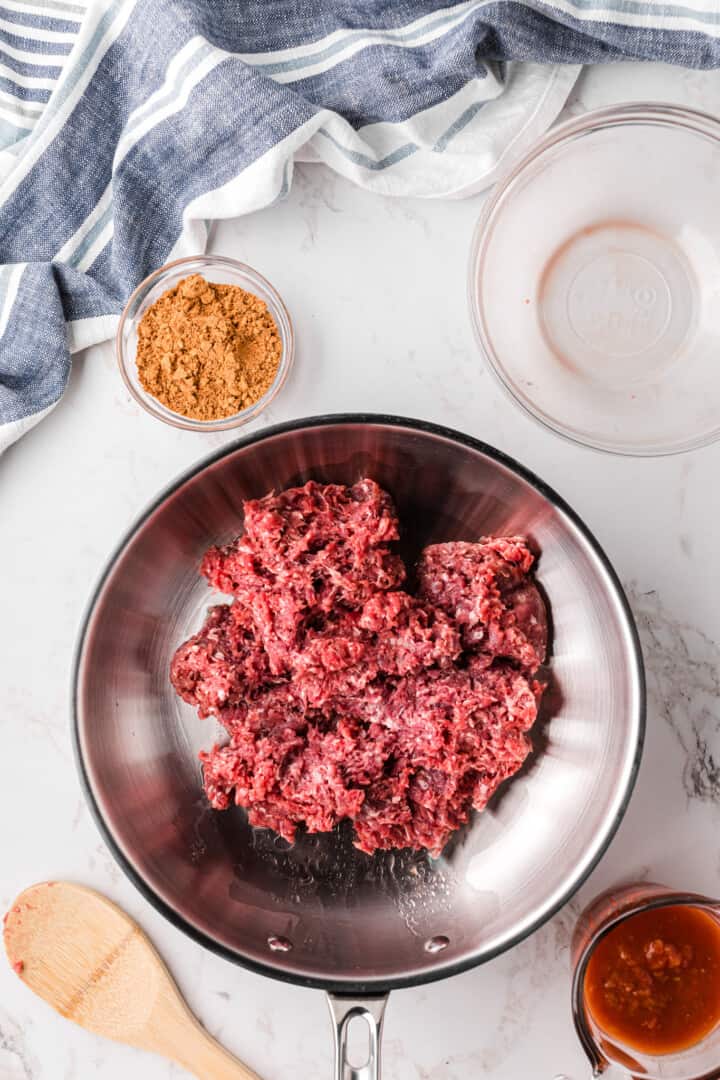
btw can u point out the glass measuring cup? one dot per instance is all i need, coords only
(700, 1061)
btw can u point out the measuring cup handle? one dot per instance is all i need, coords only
(343, 1009)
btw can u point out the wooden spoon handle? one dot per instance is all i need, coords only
(198, 1052)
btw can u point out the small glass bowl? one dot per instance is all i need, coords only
(594, 281)
(221, 271)
(700, 1061)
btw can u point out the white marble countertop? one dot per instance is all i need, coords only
(379, 330)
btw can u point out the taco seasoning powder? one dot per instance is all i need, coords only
(207, 351)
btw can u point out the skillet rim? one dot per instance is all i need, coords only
(345, 987)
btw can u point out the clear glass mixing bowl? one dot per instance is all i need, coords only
(595, 280)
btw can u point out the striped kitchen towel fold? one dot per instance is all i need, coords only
(125, 125)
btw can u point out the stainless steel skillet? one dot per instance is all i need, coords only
(320, 913)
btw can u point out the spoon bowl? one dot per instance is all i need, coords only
(95, 966)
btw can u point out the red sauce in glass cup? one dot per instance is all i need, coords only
(653, 982)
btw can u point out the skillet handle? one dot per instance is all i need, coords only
(343, 1009)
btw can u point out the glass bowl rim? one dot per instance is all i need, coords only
(282, 319)
(659, 114)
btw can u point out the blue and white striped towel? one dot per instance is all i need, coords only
(126, 124)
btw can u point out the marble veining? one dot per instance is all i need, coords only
(683, 669)
(16, 1063)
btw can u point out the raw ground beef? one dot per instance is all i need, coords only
(343, 696)
(485, 590)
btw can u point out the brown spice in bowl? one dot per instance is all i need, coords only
(207, 351)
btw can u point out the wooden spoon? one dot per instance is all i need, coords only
(93, 964)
